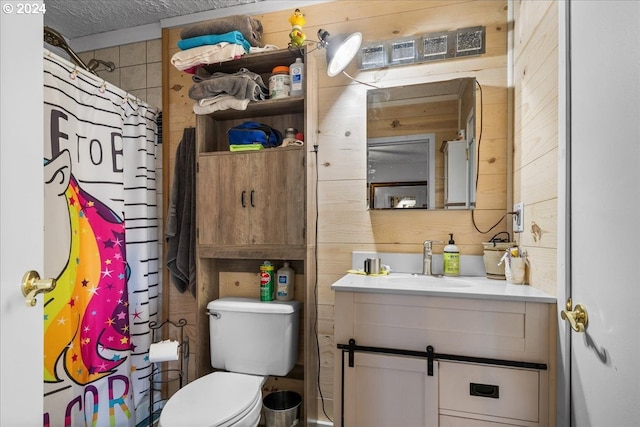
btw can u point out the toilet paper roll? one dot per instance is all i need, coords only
(163, 351)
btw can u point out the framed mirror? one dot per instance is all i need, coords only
(421, 148)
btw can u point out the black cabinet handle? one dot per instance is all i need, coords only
(484, 390)
(252, 204)
(244, 204)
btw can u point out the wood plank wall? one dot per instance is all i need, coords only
(535, 155)
(345, 224)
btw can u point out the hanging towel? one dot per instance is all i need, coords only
(180, 229)
(250, 28)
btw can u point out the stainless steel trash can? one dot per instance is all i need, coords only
(282, 409)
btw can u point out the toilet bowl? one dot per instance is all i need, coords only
(249, 340)
(221, 399)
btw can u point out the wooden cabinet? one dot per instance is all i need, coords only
(254, 206)
(472, 390)
(251, 199)
(388, 391)
(490, 393)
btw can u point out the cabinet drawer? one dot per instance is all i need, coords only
(489, 390)
(447, 421)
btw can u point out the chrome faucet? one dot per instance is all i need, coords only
(427, 257)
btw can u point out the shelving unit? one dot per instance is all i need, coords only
(256, 206)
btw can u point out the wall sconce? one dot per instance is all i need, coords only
(341, 49)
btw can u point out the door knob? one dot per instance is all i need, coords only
(32, 285)
(577, 317)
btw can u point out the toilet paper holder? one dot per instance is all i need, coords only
(165, 372)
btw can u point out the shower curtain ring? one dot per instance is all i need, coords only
(103, 87)
(74, 73)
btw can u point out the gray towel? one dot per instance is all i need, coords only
(250, 28)
(244, 84)
(180, 229)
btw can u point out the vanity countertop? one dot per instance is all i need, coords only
(458, 287)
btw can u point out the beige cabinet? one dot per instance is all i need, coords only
(385, 390)
(465, 388)
(252, 198)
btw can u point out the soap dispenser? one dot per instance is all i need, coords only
(451, 258)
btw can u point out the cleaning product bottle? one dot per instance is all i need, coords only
(285, 278)
(451, 258)
(296, 77)
(266, 281)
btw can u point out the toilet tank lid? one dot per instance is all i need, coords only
(251, 305)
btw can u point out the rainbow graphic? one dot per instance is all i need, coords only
(86, 317)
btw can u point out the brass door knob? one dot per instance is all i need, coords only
(578, 317)
(32, 285)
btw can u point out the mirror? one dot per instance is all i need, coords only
(421, 146)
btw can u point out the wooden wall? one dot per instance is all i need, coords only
(535, 154)
(345, 224)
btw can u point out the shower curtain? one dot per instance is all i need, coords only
(101, 244)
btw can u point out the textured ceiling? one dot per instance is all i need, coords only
(78, 18)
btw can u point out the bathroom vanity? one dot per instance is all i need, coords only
(416, 350)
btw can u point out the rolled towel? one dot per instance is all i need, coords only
(250, 28)
(234, 37)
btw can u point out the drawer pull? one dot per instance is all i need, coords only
(484, 390)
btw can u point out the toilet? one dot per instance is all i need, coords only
(250, 340)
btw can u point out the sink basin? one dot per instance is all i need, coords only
(431, 281)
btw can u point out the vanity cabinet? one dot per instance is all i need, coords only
(254, 206)
(466, 335)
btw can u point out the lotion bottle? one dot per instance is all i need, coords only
(285, 283)
(451, 258)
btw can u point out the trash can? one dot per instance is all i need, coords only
(282, 409)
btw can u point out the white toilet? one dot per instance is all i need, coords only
(250, 340)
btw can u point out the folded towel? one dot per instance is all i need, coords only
(244, 84)
(234, 37)
(218, 103)
(203, 55)
(250, 28)
(266, 48)
(245, 147)
(361, 272)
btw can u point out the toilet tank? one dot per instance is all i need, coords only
(253, 337)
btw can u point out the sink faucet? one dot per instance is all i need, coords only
(427, 256)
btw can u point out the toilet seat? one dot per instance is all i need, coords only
(220, 399)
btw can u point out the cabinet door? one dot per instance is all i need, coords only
(383, 391)
(223, 200)
(276, 197)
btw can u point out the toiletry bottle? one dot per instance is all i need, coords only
(451, 258)
(296, 77)
(285, 283)
(266, 281)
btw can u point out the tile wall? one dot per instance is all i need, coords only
(138, 71)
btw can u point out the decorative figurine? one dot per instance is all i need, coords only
(296, 35)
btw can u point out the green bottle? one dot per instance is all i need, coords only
(451, 258)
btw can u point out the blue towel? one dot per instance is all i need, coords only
(235, 37)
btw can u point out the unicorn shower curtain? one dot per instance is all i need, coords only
(101, 245)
